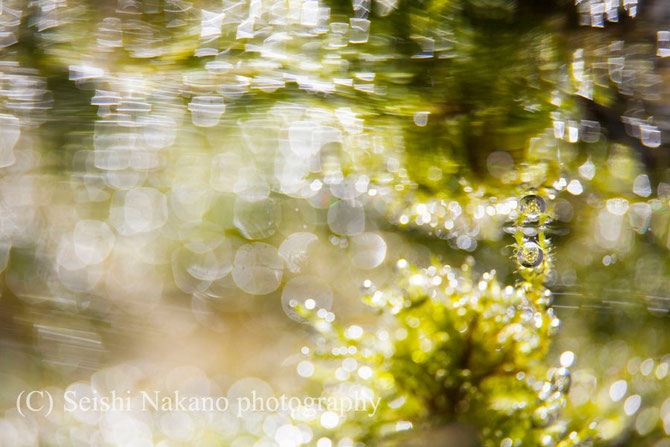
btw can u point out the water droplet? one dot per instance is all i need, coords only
(359, 30)
(139, 210)
(209, 264)
(158, 131)
(528, 230)
(532, 206)
(225, 171)
(421, 118)
(368, 250)
(618, 390)
(641, 186)
(330, 419)
(543, 416)
(530, 255)
(206, 110)
(617, 206)
(575, 187)
(182, 261)
(256, 219)
(301, 138)
(303, 289)
(499, 163)
(295, 250)
(189, 204)
(257, 268)
(561, 380)
(632, 404)
(650, 135)
(346, 217)
(567, 359)
(93, 240)
(80, 280)
(305, 368)
(9, 135)
(587, 170)
(590, 131)
(346, 189)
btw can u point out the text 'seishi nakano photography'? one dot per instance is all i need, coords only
(335, 223)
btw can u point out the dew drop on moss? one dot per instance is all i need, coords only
(530, 255)
(532, 206)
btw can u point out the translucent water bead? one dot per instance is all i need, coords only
(532, 206)
(530, 255)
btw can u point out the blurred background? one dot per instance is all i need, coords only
(178, 179)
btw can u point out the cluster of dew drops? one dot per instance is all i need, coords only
(530, 253)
